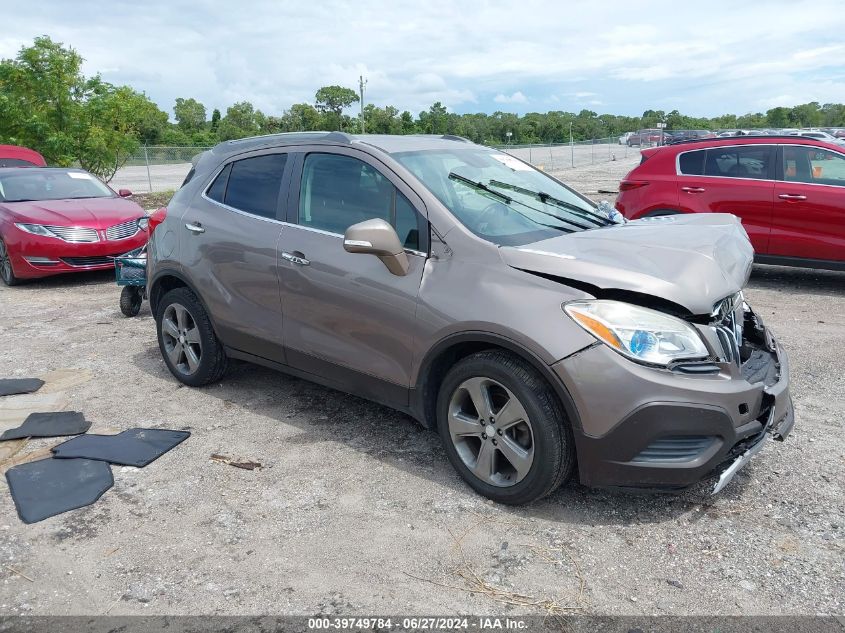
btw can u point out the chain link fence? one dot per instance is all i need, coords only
(157, 168)
(554, 157)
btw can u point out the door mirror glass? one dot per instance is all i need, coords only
(124, 193)
(377, 237)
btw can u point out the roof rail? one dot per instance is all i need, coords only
(338, 137)
(454, 137)
(742, 137)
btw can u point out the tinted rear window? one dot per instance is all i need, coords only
(739, 162)
(251, 184)
(15, 162)
(692, 163)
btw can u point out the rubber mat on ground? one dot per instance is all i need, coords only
(134, 447)
(13, 386)
(51, 486)
(53, 424)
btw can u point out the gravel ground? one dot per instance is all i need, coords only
(357, 511)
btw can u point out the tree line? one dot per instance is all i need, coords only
(46, 103)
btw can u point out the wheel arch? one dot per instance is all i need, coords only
(455, 347)
(167, 280)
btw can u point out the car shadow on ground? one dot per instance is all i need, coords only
(66, 280)
(325, 415)
(807, 280)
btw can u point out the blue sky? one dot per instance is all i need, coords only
(619, 57)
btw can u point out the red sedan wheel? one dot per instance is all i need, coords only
(6, 272)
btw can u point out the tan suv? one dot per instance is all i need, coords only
(538, 333)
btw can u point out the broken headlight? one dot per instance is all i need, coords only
(639, 333)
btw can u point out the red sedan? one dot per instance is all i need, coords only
(16, 156)
(789, 192)
(62, 220)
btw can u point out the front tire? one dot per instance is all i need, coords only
(503, 428)
(7, 274)
(187, 341)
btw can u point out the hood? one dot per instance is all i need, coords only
(692, 260)
(95, 213)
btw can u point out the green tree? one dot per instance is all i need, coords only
(48, 104)
(241, 120)
(190, 114)
(215, 119)
(331, 101)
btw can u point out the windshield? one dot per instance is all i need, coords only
(500, 198)
(50, 184)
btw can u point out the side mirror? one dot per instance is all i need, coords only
(377, 237)
(124, 193)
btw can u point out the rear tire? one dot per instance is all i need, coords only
(187, 341)
(529, 458)
(7, 274)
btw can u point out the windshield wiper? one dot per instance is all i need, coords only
(508, 200)
(481, 186)
(585, 214)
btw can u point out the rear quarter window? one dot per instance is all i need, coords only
(691, 163)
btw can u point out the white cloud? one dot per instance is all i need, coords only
(466, 55)
(516, 97)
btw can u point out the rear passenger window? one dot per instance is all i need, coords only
(813, 165)
(692, 163)
(740, 162)
(251, 184)
(339, 191)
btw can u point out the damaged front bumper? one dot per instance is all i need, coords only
(667, 429)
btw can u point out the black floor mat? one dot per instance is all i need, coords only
(134, 447)
(51, 486)
(53, 424)
(13, 386)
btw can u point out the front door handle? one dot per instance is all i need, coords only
(693, 189)
(792, 196)
(195, 227)
(295, 258)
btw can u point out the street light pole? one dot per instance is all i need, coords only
(361, 85)
(571, 146)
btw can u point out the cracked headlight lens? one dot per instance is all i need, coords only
(639, 333)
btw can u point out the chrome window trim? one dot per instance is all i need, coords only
(776, 146)
(704, 149)
(238, 211)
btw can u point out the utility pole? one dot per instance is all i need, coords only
(362, 83)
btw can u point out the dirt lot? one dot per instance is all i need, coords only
(356, 509)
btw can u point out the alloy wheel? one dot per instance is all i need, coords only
(181, 338)
(491, 432)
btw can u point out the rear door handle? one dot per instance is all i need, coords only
(195, 227)
(792, 196)
(295, 258)
(693, 189)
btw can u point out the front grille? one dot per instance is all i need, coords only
(122, 231)
(728, 318)
(82, 262)
(74, 233)
(681, 448)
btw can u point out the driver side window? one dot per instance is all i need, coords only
(339, 191)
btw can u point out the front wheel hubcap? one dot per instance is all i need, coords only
(181, 338)
(499, 452)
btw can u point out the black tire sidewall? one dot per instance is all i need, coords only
(13, 280)
(130, 301)
(553, 444)
(212, 358)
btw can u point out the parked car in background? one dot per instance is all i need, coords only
(479, 295)
(63, 220)
(16, 156)
(789, 192)
(644, 137)
(821, 136)
(676, 136)
(624, 138)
